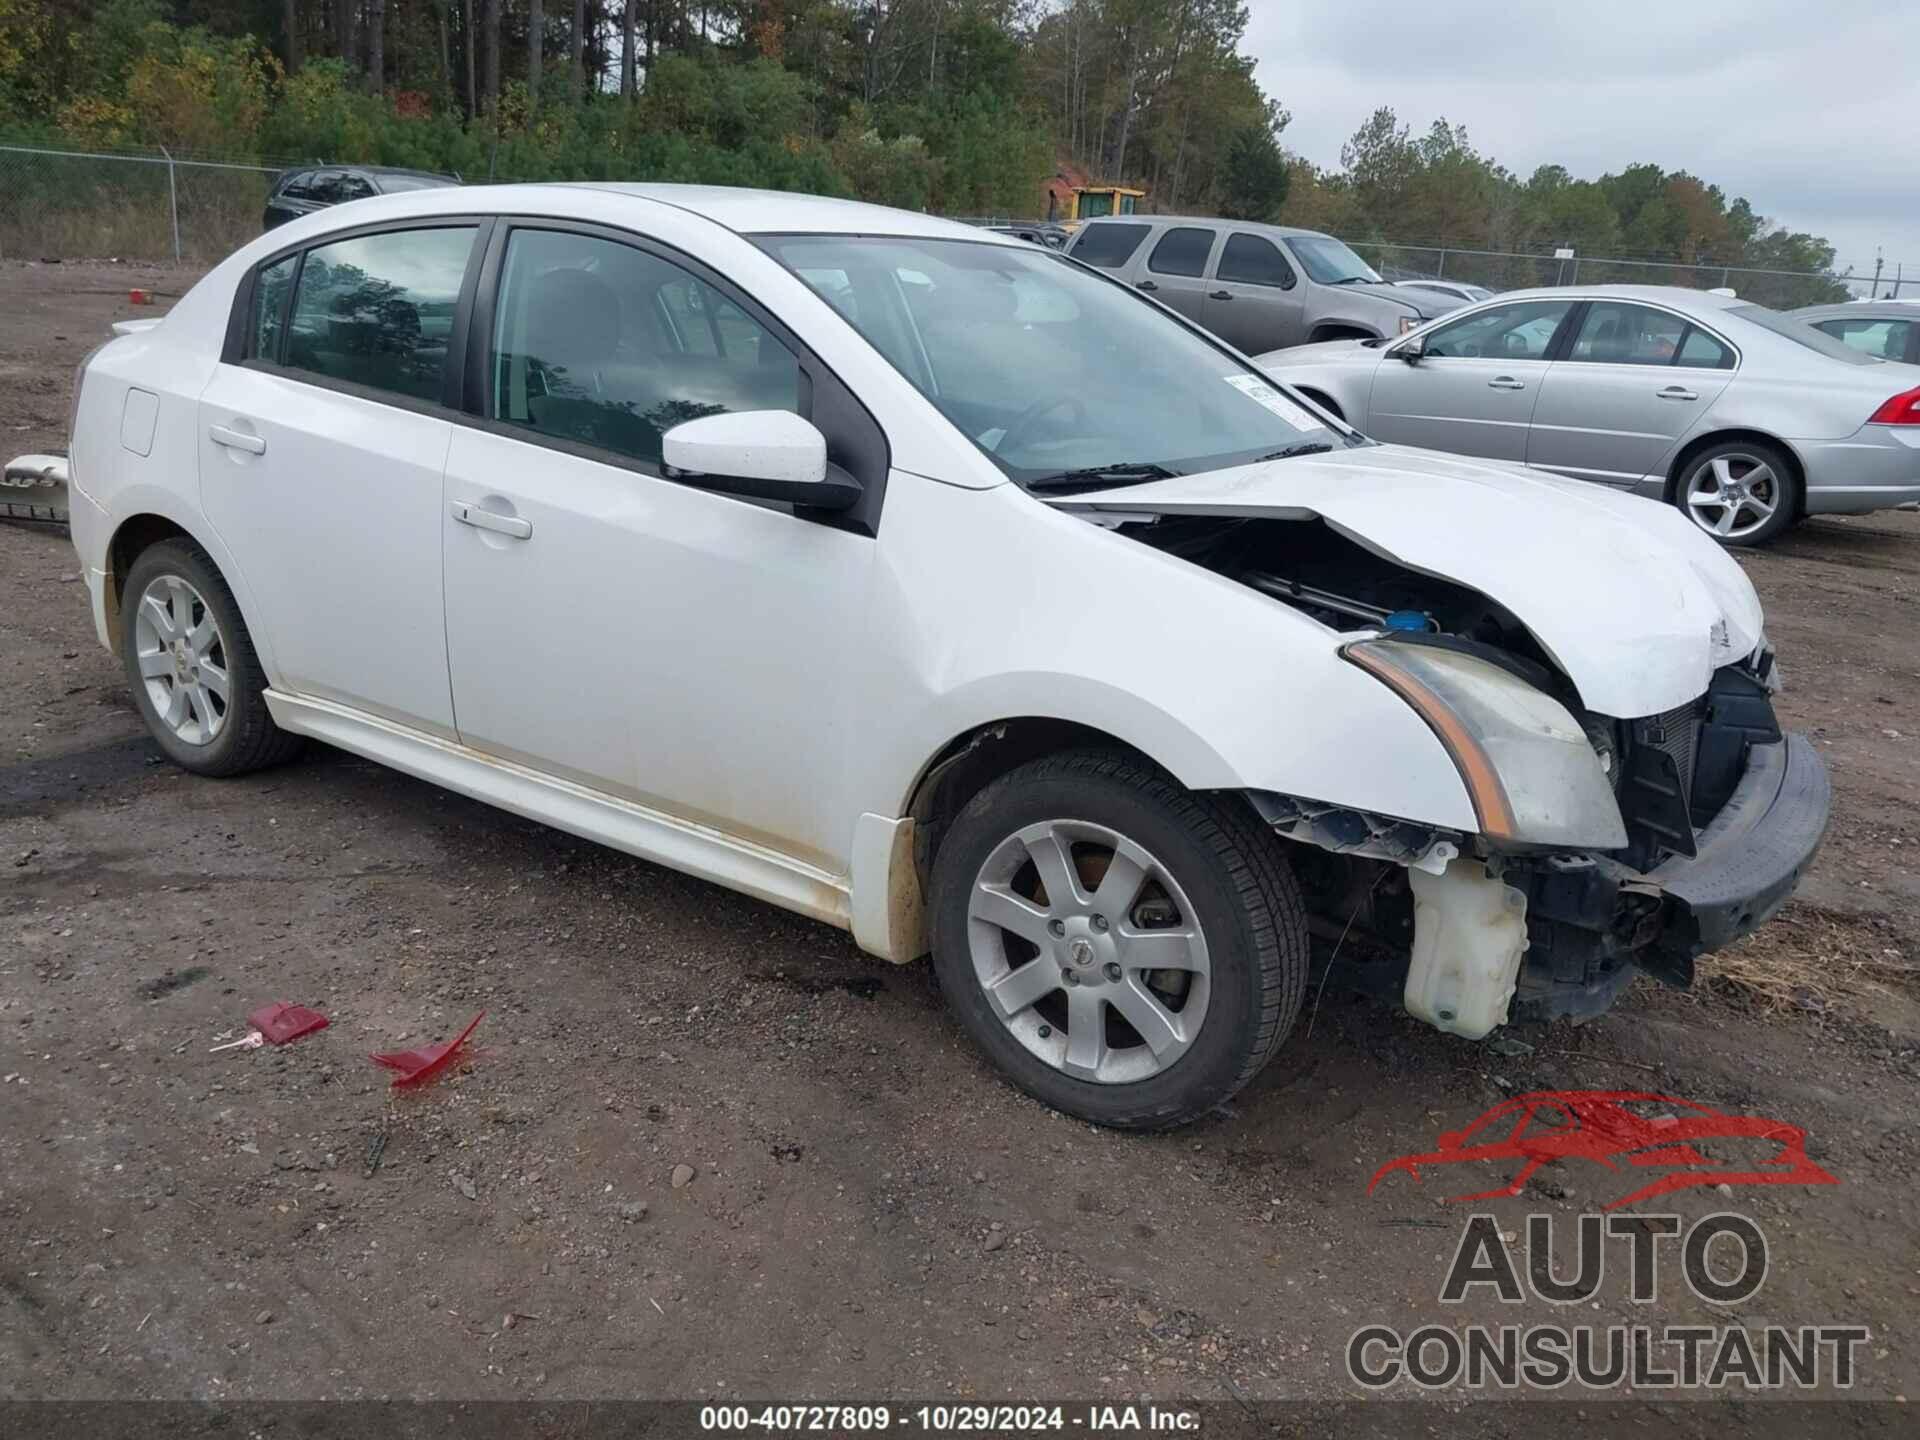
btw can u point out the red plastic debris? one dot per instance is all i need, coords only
(416, 1067)
(139, 297)
(281, 1022)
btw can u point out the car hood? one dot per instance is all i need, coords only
(1635, 605)
(1347, 352)
(1426, 303)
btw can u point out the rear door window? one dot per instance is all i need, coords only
(269, 308)
(1182, 251)
(1615, 333)
(377, 310)
(1700, 351)
(1110, 246)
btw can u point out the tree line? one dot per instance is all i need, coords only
(957, 106)
(963, 106)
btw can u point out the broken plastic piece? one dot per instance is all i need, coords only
(280, 1022)
(252, 1040)
(416, 1067)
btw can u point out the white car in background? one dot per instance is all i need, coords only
(1457, 289)
(1745, 419)
(932, 585)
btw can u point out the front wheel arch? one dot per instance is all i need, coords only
(1325, 401)
(1341, 330)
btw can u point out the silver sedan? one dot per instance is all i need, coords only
(1746, 419)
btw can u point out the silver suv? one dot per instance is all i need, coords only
(1258, 287)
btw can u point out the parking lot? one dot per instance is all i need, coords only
(869, 1204)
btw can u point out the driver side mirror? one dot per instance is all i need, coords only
(763, 454)
(1412, 349)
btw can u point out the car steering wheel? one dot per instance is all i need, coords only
(1024, 421)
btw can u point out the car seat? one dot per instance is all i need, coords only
(575, 387)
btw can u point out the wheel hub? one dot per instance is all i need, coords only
(182, 660)
(1084, 972)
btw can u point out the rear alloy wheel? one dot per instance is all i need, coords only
(190, 661)
(1127, 951)
(1740, 493)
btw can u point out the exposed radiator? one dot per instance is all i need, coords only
(1677, 732)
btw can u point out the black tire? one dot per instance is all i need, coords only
(247, 738)
(1784, 489)
(1240, 889)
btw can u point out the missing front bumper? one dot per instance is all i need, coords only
(1593, 922)
(1750, 860)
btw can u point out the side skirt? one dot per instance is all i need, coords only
(621, 824)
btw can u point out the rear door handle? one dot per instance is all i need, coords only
(1506, 382)
(511, 526)
(237, 440)
(1676, 392)
(1145, 285)
(1219, 294)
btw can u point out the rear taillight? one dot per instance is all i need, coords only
(1902, 409)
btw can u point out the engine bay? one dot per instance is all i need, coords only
(1345, 586)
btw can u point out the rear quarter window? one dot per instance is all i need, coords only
(1108, 245)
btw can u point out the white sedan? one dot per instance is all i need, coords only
(937, 587)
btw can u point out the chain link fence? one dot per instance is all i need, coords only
(1515, 270)
(195, 209)
(67, 205)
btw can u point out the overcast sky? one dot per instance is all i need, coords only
(1809, 108)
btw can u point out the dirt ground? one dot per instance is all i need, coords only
(872, 1211)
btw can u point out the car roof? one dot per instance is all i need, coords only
(1679, 297)
(743, 211)
(372, 170)
(772, 212)
(1260, 225)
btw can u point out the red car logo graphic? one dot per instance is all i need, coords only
(1617, 1129)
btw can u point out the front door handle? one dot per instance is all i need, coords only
(1219, 294)
(1145, 285)
(512, 526)
(237, 439)
(1676, 392)
(1506, 382)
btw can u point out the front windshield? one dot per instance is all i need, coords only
(1329, 261)
(1049, 368)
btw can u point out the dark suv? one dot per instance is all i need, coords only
(301, 192)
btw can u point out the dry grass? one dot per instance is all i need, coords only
(72, 216)
(1812, 959)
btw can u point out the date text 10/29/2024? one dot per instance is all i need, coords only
(948, 1419)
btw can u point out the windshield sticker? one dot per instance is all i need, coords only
(1268, 398)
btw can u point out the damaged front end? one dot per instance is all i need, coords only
(1603, 845)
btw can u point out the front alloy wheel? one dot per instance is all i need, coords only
(1126, 950)
(1089, 951)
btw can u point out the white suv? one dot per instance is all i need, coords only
(935, 586)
